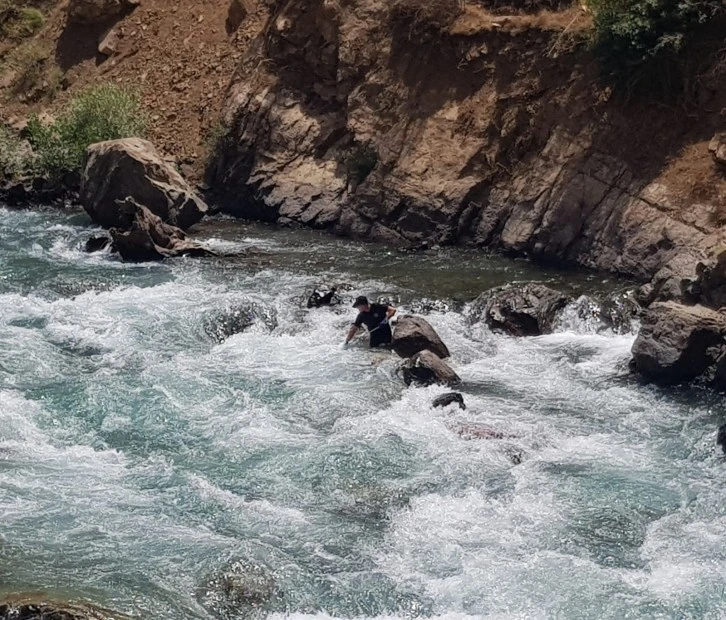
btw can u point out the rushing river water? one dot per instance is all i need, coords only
(150, 466)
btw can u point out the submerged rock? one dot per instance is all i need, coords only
(427, 368)
(318, 298)
(119, 169)
(449, 399)
(413, 334)
(234, 320)
(519, 310)
(680, 343)
(237, 590)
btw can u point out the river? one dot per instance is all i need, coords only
(147, 462)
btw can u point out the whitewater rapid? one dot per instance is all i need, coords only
(141, 454)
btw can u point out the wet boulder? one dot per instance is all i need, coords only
(452, 398)
(237, 590)
(519, 310)
(413, 334)
(98, 11)
(119, 169)
(147, 238)
(679, 343)
(427, 368)
(236, 318)
(319, 298)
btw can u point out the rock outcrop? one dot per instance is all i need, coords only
(519, 310)
(95, 11)
(146, 237)
(413, 334)
(427, 368)
(452, 398)
(118, 169)
(356, 118)
(717, 148)
(679, 343)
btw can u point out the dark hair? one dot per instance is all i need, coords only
(360, 301)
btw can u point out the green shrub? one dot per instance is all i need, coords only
(12, 155)
(106, 112)
(19, 22)
(26, 61)
(628, 32)
(362, 160)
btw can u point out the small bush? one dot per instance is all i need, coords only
(27, 62)
(628, 32)
(106, 112)
(23, 23)
(12, 155)
(362, 161)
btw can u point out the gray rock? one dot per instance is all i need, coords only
(449, 399)
(118, 169)
(414, 334)
(146, 237)
(679, 343)
(31, 608)
(519, 310)
(427, 368)
(717, 148)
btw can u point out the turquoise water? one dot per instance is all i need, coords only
(144, 459)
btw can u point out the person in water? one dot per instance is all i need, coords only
(375, 317)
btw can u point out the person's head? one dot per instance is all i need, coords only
(361, 304)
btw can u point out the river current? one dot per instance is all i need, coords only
(151, 465)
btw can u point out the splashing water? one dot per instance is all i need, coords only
(152, 466)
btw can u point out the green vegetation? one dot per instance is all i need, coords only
(629, 32)
(12, 159)
(26, 62)
(18, 22)
(106, 112)
(362, 160)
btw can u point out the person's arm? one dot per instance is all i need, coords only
(351, 334)
(390, 311)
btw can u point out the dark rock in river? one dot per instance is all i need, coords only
(427, 368)
(721, 437)
(449, 399)
(234, 320)
(318, 298)
(97, 244)
(148, 238)
(22, 608)
(118, 169)
(519, 310)
(413, 334)
(238, 589)
(680, 343)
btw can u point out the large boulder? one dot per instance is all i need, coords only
(98, 11)
(680, 343)
(145, 237)
(118, 169)
(519, 310)
(427, 368)
(414, 334)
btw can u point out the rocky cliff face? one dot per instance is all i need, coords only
(363, 118)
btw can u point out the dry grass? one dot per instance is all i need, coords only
(437, 15)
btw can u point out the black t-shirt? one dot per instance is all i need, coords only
(373, 317)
